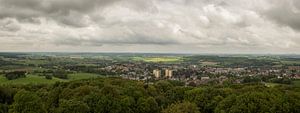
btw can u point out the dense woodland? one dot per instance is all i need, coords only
(116, 95)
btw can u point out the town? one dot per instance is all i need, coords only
(196, 75)
(148, 83)
(193, 70)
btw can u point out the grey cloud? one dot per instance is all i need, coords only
(59, 10)
(177, 25)
(133, 39)
(57, 6)
(10, 25)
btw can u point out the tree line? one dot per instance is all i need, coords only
(116, 95)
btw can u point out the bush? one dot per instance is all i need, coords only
(185, 107)
(15, 75)
(49, 77)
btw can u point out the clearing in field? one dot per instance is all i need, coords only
(209, 63)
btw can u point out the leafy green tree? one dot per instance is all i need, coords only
(103, 103)
(6, 95)
(289, 103)
(163, 86)
(151, 90)
(251, 79)
(184, 107)
(147, 105)
(49, 77)
(52, 100)
(250, 102)
(15, 75)
(128, 105)
(206, 98)
(176, 94)
(3, 108)
(72, 106)
(27, 102)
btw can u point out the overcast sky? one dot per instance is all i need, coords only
(173, 26)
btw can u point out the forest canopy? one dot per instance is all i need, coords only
(117, 95)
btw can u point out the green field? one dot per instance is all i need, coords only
(157, 59)
(290, 62)
(296, 83)
(34, 79)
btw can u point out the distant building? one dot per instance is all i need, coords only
(157, 73)
(168, 73)
(204, 78)
(294, 67)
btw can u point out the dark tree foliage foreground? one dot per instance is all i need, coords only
(15, 75)
(116, 95)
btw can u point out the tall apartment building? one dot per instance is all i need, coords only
(168, 73)
(157, 73)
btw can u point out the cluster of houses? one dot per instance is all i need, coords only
(192, 74)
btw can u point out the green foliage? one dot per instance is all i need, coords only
(6, 95)
(116, 95)
(147, 105)
(281, 80)
(206, 98)
(163, 86)
(72, 106)
(27, 102)
(15, 75)
(49, 77)
(103, 103)
(4, 108)
(62, 74)
(256, 102)
(184, 107)
(251, 79)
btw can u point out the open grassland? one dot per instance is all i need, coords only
(34, 79)
(158, 59)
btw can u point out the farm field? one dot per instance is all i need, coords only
(209, 63)
(290, 62)
(158, 59)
